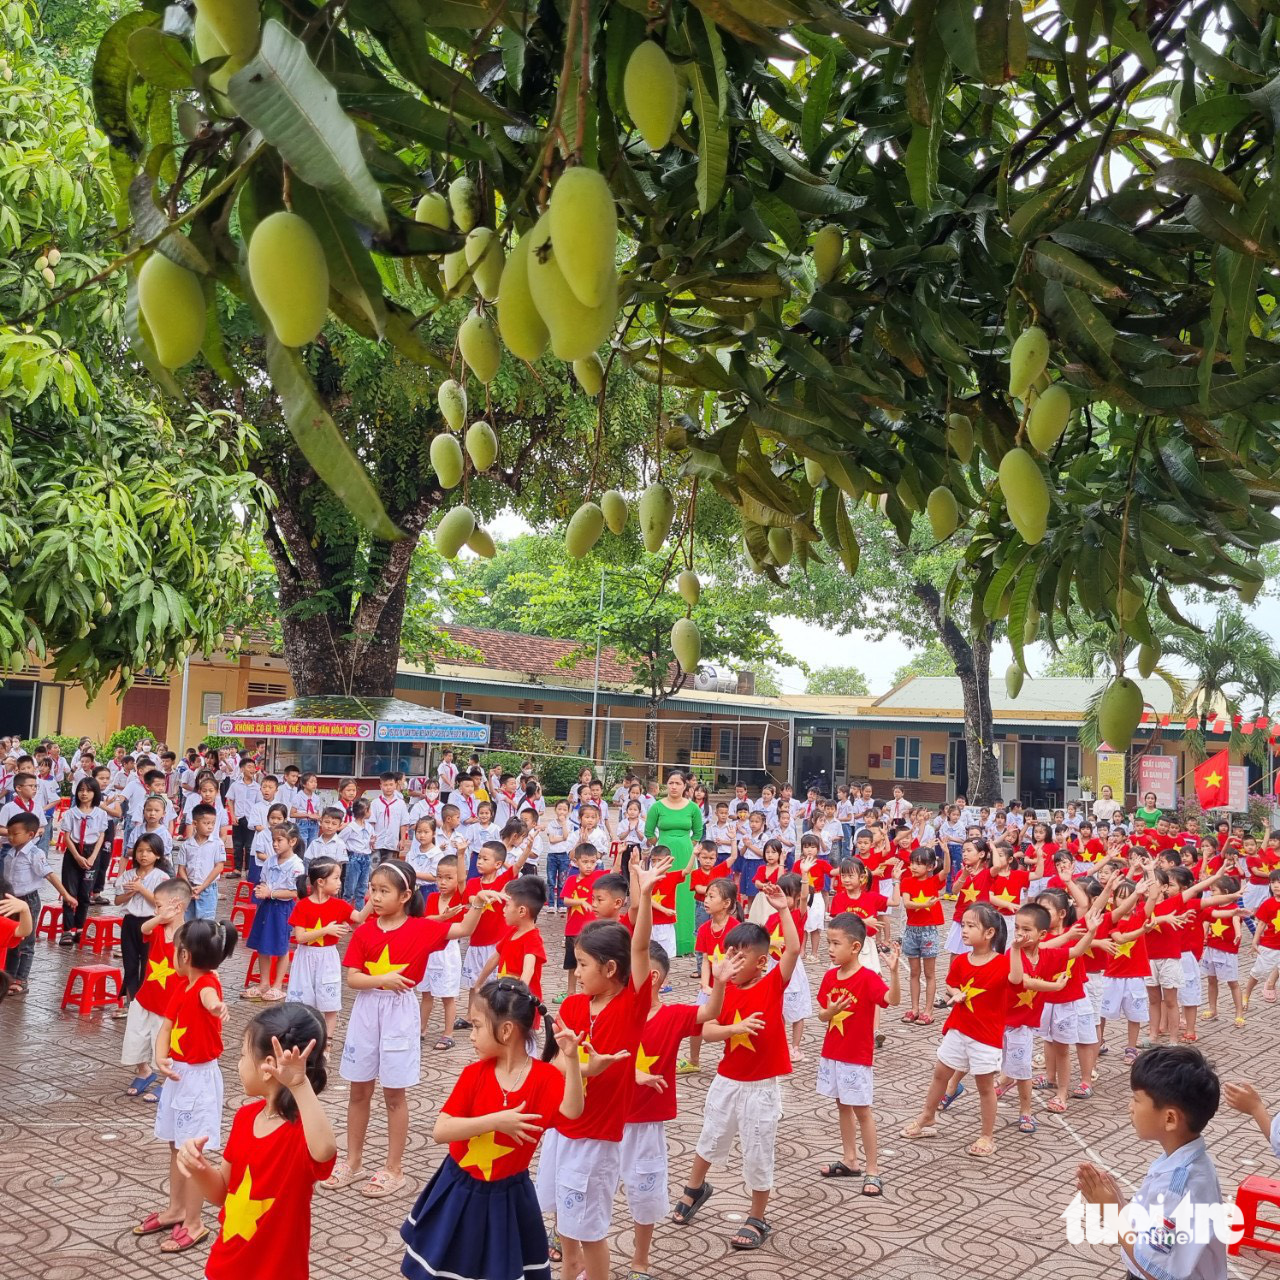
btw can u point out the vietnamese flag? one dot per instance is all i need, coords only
(1212, 789)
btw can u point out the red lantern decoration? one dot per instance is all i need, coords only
(1193, 723)
(1219, 725)
(1235, 720)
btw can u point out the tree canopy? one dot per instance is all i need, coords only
(838, 681)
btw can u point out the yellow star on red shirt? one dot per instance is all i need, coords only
(382, 965)
(1218, 928)
(968, 992)
(1003, 896)
(160, 971)
(839, 1019)
(970, 894)
(483, 1152)
(175, 1038)
(243, 1211)
(919, 900)
(718, 954)
(1026, 998)
(743, 1039)
(645, 1061)
(1124, 948)
(659, 899)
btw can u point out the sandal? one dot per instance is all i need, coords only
(139, 1085)
(1268, 996)
(121, 1012)
(751, 1235)
(1056, 1105)
(17, 987)
(1130, 1055)
(274, 995)
(949, 1098)
(343, 1175)
(917, 1130)
(925, 1020)
(683, 1213)
(1002, 1089)
(1188, 1037)
(1239, 1022)
(982, 1148)
(383, 1184)
(554, 1252)
(910, 1016)
(181, 1239)
(251, 993)
(1027, 1124)
(1103, 1051)
(686, 1068)
(872, 1185)
(1042, 1083)
(461, 1024)
(151, 1225)
(1082, 1090)
(445, 1042)
(838, 1169)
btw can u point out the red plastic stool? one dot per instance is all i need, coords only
(94, 993)
(242, 918)
(244, 893)
(50, 925)
(101, 933)
(114, 869)
(253, 975)
(1251, 1193)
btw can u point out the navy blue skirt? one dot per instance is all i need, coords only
(269, 933)
(465, 1229)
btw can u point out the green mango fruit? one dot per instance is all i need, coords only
(483, 251)
(780, 545)
(452, 399)
(454, 530)
(290, 277)
(519, 323)
(614, 506)
(944, 513)
(1027, 360)
(446, 460)
(432, 209)
(1013, 679)
(1049, 416)
(465, 203)
(1026, 494)
(1120, 712)
(960, 436)
(651, 92)
(828, 249)
(657, 510)
(481, 543)
(689, 587)
(585, 527)
(584, 233)
(686, 644)
(172, 303)
(482, 445)
(590, 374)
(478, 343)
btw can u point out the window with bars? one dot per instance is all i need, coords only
(906, 758)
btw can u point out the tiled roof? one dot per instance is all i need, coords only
(534, 656)
(1039, 694)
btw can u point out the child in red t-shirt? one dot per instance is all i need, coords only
(520, 953)
(849, 997)
(318, 921)
(280, 1146)
(817, 872)
(494, 875)
(919, 891)
(1266, 964)
(973, 1034)
(443, 978)
(711, 945)
(1125, 975)
(745, 1099)
(653, 1101)
(970, 887)
(797, 999)
(1220, 961)
(577, 901)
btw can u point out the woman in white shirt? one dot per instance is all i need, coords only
(1105, 807)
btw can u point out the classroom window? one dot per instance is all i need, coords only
(210, 705)
(615, 737)
(726, 744)
(701, 737)
(562, 731)
(906, 758)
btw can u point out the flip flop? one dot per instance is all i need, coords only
(151, 1225)
(139, 1085)
(982, 1148)
(917, 1130)
(838, 1169)
(383, 1184)
(181, 1240)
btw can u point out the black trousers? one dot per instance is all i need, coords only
(79, 884)
(103, 864)
(241, 843)
(133, 953)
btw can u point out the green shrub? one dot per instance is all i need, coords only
(128, 738)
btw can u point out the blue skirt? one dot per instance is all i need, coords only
(465, 1229)
(269, 934)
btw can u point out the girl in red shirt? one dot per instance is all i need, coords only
(319, 921)
(478, 1218)
(970, 887)
(187, 1049)
(281, 1144)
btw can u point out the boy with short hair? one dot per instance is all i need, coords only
(577, 900)
(1175, 1094)
(492, 873)
(389, 818)
(24, 868)
(522, 952)
(443, 978)
(243, 795)
(200, 863)
(609, 897)
(329, 843)
(745, 1099)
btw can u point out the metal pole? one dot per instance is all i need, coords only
(182, 714)
(595, 688)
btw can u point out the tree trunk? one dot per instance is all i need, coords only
(972, 659)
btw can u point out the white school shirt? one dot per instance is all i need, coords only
(386, 817)
(1186, 1174)
(897, 808)
(770, 810)
(261, 846)
(788, 837)
(245, 797)
(26, 868)
(200, 858)
(952, 832)
(20, 806)
(282, 875)
(446, 774)
(220, 818)
(478, 835)
(557, 838)
(599, 837)
(285, 795)
(357, 837)
(137, 904)
(308, 806)
(506, 807)
(831, 832)
(334, 847)
(165, 837)
(83, 828)
(723, 834)
(468, 808)
(844, 810)
(258, 815)
(133, 793)
(860, 806)
(631, 833)
(425, 808)
(424, 861)
(59, 768)
(456, 841)
(135, 815)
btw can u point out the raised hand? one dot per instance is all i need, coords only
(11, 906)
(567, 1040)
(774, 896)
(287, 1067)
(729, 968)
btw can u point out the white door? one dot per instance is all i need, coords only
(1008, 771)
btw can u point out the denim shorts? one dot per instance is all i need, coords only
(920, 941)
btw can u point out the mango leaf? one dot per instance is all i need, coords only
(1212, 218)
(955, 27)
(1080, 323)
(713, 143)
(817, 98)
(1216, 65)
(1194, 177)
(149, 221)
(1217, 115)
(162, 60)
(284, 96)
(1057, 263)
(112, 77)
(922, 165)
(321, 443)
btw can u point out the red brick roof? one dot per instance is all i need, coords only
(536, 656)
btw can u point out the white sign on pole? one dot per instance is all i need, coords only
(1158, 774)
(1238, 784)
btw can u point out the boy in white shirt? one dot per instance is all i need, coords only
(468, 806)
(269, 794)
(287, 791)
(446, 773)
(831, 832)
(329, 842)
(201, 860)
(723, 831)
(242, 799)
(389, 817)
(26, 788)
(357, 839)
(450, 836)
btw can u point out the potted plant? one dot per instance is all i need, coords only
(1086, 788)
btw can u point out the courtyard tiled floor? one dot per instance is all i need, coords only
(78, 1165)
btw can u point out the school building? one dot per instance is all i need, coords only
(717, 725)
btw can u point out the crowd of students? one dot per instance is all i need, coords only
(1052, 930)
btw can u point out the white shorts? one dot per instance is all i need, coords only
(191, 1107)
(443, 977)
(954, 943)
(1265, 963)
(1255, 895)
(1223, 965)
(665, 936)
(1070, 1023)
(816, 919)
(797, 996)
(1093, 985)
(140, 1031)
(1189, 995)
(1167, 974)
(748, 1110)
(382, 1039)
(315, 978)
(963, 1053)
(475, 960)
(1015, 1059)
(869, 956)
(644, 1171)
(1127, 998)
(577, 1179)
(851, 1084)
